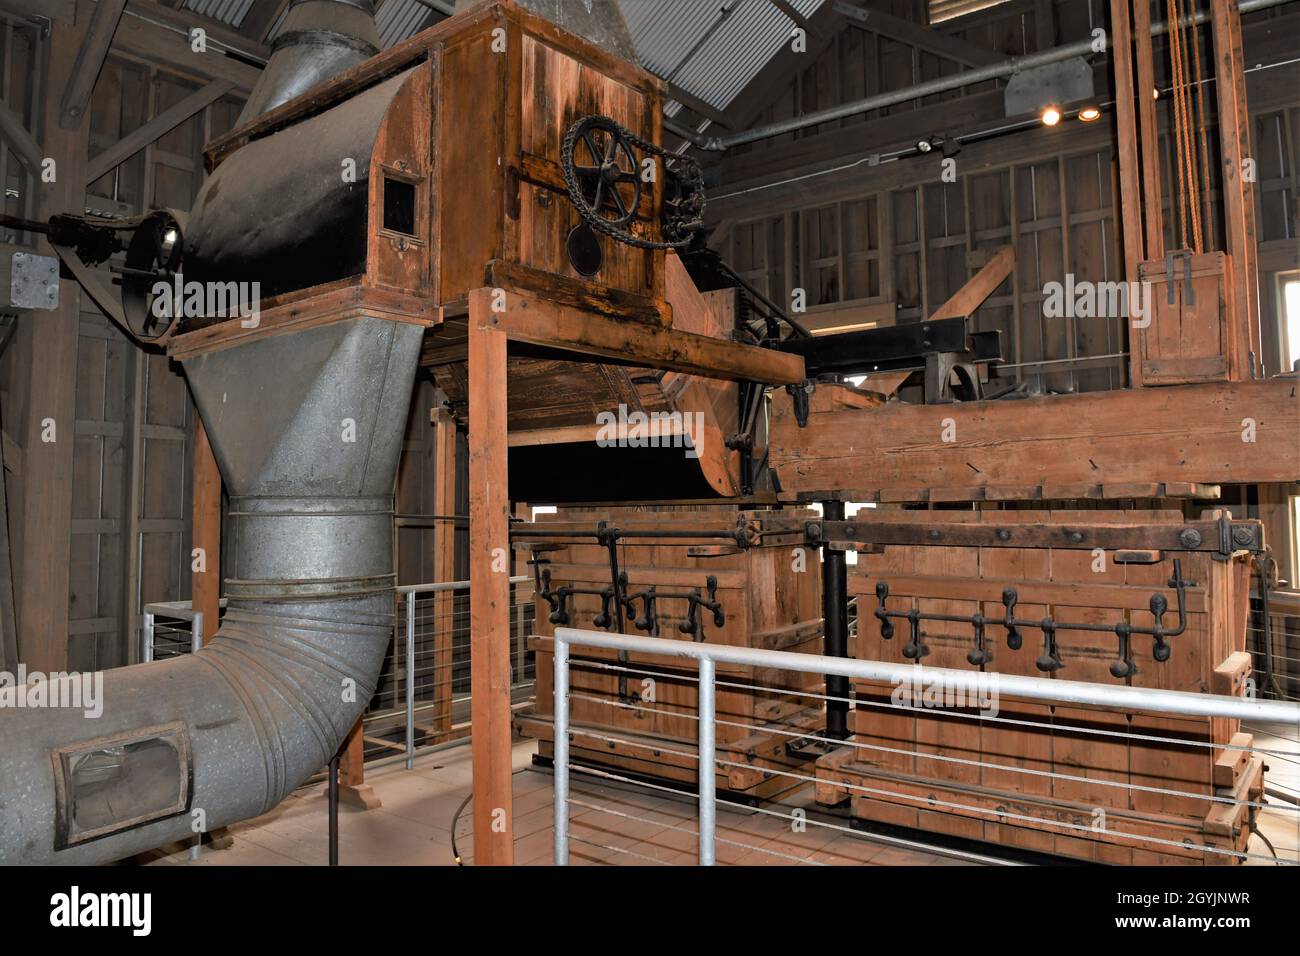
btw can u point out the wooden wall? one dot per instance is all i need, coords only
(875, 242)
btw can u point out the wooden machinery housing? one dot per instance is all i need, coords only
(636, 714)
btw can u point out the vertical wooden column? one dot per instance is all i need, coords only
(444, 563)
(46, 346)
(1238, 190)
(205, 585)
(489, 589)
(1130, 187)
(353, 789)
(1149, 142)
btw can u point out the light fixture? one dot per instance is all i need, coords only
(1155, 93)
(1050, 116)
(923, 146)
(1089, 114)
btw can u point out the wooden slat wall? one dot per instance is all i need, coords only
(1057, 207)
(129, 537)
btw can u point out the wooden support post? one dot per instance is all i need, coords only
(89, 61)
(1129, 185)
(489, 589)
(444, 563)
(1238, 187)
(47, 349)
(205, 584)
(1149, 142)
(353, 789)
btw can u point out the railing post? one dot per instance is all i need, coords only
(708, 785)
(146, 637)
(196, 632)
(561, 756)
(410, 680)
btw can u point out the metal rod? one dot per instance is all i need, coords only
(449, 585)
(196, 632)
(708, 784)
(835, 618)
(410, 681)
(561, 751)
(334, 810)
(1121, 697)
(940, 85)
(146, 638)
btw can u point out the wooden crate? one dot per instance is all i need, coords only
(1065, 784)
(768, 604)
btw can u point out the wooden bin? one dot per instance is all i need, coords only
(768, 604)
(1064, 785)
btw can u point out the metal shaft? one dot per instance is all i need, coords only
(561, 755)
(708, 785)
(835, 617)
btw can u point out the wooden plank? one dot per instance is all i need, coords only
(489, 594)
(919, 36)
(1187, 433)
(21, 141)
(47, 350)
(969, 297)
(161, 124)
(525, 319)
(89, 61)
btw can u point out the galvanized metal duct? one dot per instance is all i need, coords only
(234, 728)
(319, 38)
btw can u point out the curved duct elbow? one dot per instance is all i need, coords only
(307, 429)
(318, 39)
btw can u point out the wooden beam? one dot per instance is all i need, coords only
(969, 297)
(489, 590)
(62, 11)
(205, 585)
(1066, 446)
(160, 36)
(47, 349)
(90, 60)
(161, 124)
(1240, 241)
(698, 106)
(781, 70)
(919, 36)
(21, 141)
(1130, 190)
(261, 17)
(526, 319)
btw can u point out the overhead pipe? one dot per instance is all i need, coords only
(940, 85)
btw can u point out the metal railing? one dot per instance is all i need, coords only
(431, 670)
(170, 628)
(707, 656)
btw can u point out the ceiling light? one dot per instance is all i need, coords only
(923, 146)
(1050, 116)
(1090, 114)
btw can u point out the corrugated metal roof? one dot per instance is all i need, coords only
(712, 50)
(230, 12)
(399, 19)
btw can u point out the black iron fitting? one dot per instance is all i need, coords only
(1049, 660)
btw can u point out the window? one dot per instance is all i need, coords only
(399, 206)
(1290, 320)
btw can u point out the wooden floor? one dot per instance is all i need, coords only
(611, 824)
